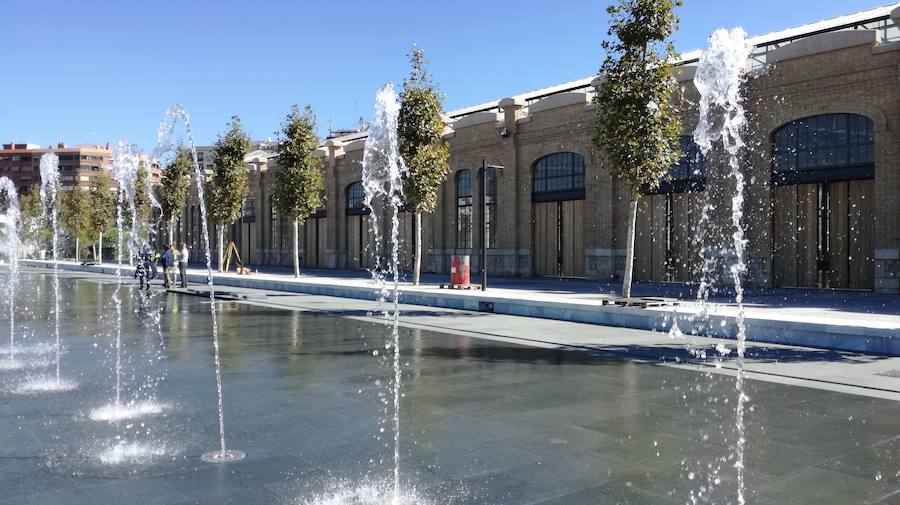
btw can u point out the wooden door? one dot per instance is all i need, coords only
(666, 247)
(559, 239)
(313, 242)
(321, 241)
(823, 235)
(546, 239)
(684, 260)
(358, 246)
(860, 255)
(572, 238)
(785, 236)
(650, 238)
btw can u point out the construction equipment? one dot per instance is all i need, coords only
(238, 265)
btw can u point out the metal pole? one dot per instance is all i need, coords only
(484, 228)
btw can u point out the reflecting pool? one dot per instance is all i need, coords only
(484, 421)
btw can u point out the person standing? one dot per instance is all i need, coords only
(142, 270)
(182, 264)
(169, 265)
(161, 260)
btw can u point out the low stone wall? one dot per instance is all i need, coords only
(828, 334)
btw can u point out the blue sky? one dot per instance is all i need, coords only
(95, 71)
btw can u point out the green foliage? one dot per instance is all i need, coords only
(298, 184)
(142, 193)
(75, 214)
(420, 130)
(638, 122)
(32, 229)
(230, 179)
(102, 206)
(171, 193)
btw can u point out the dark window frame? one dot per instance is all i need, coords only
(822, 148)
(274, 229)
(558, 177)
(688, 174)
(355, 199)
(463, 185)
(490, 209)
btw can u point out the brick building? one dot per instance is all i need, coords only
(78, 165)
(824, 104)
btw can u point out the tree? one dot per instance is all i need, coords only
(102, 210)
(298, 184)
(75, 216)
(637, 122)
(420, 130)
(171, 193)
(142, 194)
(230, 180)
(32, 229)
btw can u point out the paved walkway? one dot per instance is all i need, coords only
(879, 310)
(846, 320)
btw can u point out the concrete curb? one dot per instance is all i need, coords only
(828, 335)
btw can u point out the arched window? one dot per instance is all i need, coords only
(689, 174)
(558, 176)
(823, 148)
(356, 199)
(463, 209)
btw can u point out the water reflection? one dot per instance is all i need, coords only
(486, 422)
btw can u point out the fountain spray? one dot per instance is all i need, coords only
(10, 225)
(125, 161)
(164, 144)
(382, 179)
(50, 202)
(719, 77)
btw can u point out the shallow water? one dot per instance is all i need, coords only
(485, 422)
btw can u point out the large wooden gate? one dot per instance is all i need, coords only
(559, 239)
(359, 245)
(823, 235)
(314, 233)
(666, 248)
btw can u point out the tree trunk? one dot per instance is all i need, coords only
(629, 246)
(77, 249)
(220, 230)
(99, 256)
(172, 230)
(296, 248)
(417, 255)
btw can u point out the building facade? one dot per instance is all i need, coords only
(823, 102)
(78, 165)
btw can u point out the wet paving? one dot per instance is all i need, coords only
(483, 421)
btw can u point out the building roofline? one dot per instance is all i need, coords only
(766, 39)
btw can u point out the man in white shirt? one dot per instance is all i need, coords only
(182, 264)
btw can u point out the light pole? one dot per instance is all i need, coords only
(484, 226)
